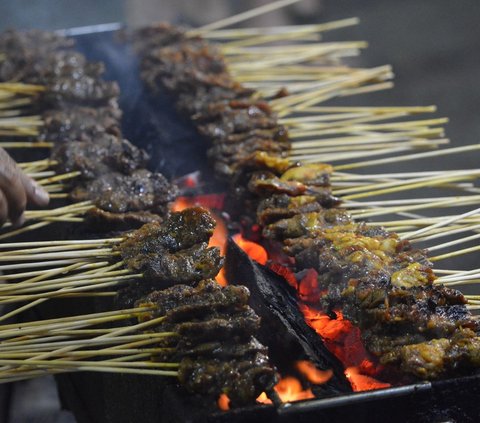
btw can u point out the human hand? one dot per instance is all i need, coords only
(16, 191)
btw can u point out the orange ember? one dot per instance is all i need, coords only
(255, 251)
(313, 375)
(308, 290)
(223, 402)
(290, 389)
(286, 273)
(344, 340)
(263, 399)
(361, 382)
(209, 201)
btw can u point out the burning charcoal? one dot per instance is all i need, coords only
(241, 380)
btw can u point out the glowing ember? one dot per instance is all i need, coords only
(263, 399)
(209, 201)
(290, 389)
(313, 375)
(344, 340)
(255, 251)
(361, 382)
(286, 273)
(308, 290)
(223, 402)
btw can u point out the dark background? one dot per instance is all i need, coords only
(433, 46)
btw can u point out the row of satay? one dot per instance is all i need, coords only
(215, 327)
(81, 117)
(379, 282)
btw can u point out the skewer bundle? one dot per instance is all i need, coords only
(295, 204)
(409, 321)
(203, 336)
(79, 117)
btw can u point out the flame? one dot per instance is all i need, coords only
(263, 399)
(209, 201)
(313, 375)
(361, 382)
(255, 251)
(290, 389)
(223, 402)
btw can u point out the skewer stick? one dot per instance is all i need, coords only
(60, 270)
(33, 144)
(440, 224)
(231, 20)
(433, 181)
(455, 253)
(249, 32)
(54, 243)
(408, 157)
(106, 282)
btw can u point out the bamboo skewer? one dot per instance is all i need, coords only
(242, 17)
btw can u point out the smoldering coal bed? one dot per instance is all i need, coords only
(176, 151)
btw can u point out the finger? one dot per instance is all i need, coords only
(34, 192)
(3, 208)
(12, 187)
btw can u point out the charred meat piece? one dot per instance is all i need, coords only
(24, 49)
(104, 154)
(384, 286)
(104, 221)
(185, 66)
(182, 302)
(222, 327)
(282, 206)
(85, 91)
(241, 380)
(176, 251)
(264, 184)
(185, 266)
(181, 230)
(194, 102)
(117, 193)
(157, 35)
(222, 350)
(439, 357)
(215, 342)
(302, 224)
(80, 123)
(60, 64)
